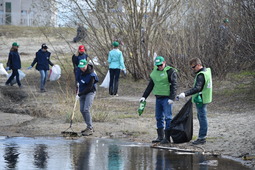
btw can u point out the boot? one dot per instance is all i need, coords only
(166, 140)
(160, 136)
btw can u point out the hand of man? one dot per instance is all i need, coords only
(170, 101)
(142, 99)
(29, 67)
(181, 96)
(7, 68)
(77, 97)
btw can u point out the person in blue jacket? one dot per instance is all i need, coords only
(76, 59)
(42, 58)
(14, 64)
(87, 80)
(116, 63)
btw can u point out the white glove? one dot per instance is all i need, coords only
(125, 71)
(181, 96)
(170, 101)
(142, 99)
(77, 97)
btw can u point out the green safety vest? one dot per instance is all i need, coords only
(207, 89)
(161, 83)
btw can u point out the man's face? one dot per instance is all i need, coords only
(162, 66)
(195, 67)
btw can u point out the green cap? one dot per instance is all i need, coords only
(15, 44)
(82, 63)
(159, 60)
(115, 44)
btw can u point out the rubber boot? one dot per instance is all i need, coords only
(166, 140)
(160, 136)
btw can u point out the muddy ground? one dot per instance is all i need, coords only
(230, 133)
(23, 113)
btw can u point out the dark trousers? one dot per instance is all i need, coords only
(114, 81)
(14, 73)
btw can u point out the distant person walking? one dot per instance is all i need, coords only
(201, 96)
(42, 58)
(163, 84)
(224, 34)
(80, 55)
(116, 63)
(14, 64)
(87, 79)
(81, 33)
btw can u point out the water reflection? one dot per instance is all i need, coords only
(40, 156)
(89, 154)
(11, 155)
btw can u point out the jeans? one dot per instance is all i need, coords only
(202, 118)
(114, 81)
(44, 74)
(15, 72)
(163, 113)
(85, 105)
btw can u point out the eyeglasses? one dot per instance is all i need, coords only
(160, 65)
(194, 66)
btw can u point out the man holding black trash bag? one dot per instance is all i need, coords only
(201, 96)
(163, 84)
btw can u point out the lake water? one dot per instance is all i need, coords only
(24, 153)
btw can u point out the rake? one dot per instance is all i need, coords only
(71, 133)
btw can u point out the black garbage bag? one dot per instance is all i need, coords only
(181, 128)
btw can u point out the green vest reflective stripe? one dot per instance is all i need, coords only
(161, 83)
(207, 89)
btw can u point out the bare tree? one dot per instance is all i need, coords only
(176, 29)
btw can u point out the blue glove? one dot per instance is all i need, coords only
(7, 68)
(29, 67)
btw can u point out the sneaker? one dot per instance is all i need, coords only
(42, 90)
(7, 84)
(20, 86)
(87, 132)
(199, 142)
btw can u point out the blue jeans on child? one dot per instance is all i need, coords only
(44, 75)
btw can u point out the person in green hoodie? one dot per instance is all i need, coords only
(163, 84)
(201, 96)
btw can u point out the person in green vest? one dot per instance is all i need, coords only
(163, 84)
(201, 96)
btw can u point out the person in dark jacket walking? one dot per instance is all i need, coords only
(14, 64)
(87, 79)
(42, 58)
(201, 96)
(163, 84)
(76, 59)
